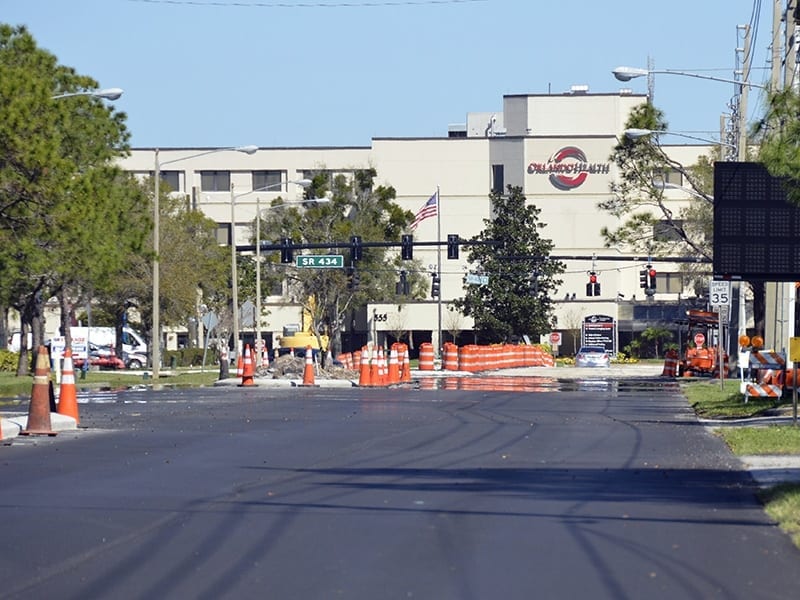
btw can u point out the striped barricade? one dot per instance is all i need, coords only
(768, 368)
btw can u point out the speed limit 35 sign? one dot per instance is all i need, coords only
(719, 293)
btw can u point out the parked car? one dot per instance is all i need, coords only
(592, 356)
(134, 360)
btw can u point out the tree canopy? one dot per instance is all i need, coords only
(64, 209)
(518, 300)
(356, 207)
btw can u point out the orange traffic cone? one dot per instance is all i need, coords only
(405, 364)
(265, 358)
(308, 371)
(39, 412)
(247, 367)
(382, 367)
(394, 366)
(364, 375)
(68, 394)
(239, 366)
(374, 366)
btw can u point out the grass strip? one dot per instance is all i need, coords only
(755, 440)
(782, 504)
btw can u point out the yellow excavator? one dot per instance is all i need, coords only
(301, 337)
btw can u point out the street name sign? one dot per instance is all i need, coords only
(477, 279)
(320, 261)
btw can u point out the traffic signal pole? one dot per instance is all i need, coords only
(440, 345)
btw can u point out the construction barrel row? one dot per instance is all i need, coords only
(471, 358)
(474, 358)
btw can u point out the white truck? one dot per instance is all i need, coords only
(101, 339)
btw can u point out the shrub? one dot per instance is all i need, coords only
(9, 361)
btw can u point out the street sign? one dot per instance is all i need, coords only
(320, 261)
(719, 293)
(555, 338)
(699, 340)
(477, 279)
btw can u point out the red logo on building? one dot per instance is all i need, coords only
(567, 168)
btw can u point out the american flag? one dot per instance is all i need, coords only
(428, 210)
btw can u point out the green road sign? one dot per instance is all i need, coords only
(320, 261)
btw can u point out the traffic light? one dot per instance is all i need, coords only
(643, 278)
(452, 246)
(355, 247)
(593, 287)
(287, 255)
(402, 287)
(353, 279)
(435, 285)
(651, 278)
(533, 284)
(407, 247)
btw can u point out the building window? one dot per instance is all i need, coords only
(667, 231)
(669, 283)
(223, 234)
(170, 178)
(276, 289)
(328, 175)
(215, 181)
(673, 177)
(498, 182)
(269, 180)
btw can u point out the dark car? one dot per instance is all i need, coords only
(592, 356)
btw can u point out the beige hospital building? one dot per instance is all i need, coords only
(556, 147)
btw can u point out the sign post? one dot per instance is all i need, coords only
(555, 341)
(719, 296)
(794, 356)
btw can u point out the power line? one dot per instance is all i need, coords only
(337, 4)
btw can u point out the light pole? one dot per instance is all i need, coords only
(635, 133)
(304, 183)
(234, 270)
(628, 73)
(155, 339)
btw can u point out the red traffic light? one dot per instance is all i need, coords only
(652, 272)
(592, 278)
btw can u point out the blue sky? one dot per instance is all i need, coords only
(340, 72)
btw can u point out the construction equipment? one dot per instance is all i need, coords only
(700, 355)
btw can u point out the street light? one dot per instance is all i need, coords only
(628, 73)
(666, 185)
(234, 269)
(636, 133)
(156, 334)
(107, 94)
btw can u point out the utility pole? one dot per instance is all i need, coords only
(776, 58)
(747, 59)
(789, 80)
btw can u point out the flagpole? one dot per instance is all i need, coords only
(439, 262)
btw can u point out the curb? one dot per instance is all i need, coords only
(12, 425)
(286, 383)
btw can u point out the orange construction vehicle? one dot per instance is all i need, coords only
(700, 356)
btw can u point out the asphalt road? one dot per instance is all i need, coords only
(599, 492)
